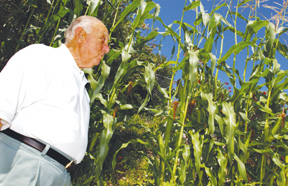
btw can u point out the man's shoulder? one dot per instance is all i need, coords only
(36, 48)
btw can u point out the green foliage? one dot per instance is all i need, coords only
(233, 138)
(201, 133)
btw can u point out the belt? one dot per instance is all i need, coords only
(68, 164)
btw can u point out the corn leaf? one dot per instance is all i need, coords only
(241, 168)
(211, 109)
(197, 141)
(230, 120)
(222, 161)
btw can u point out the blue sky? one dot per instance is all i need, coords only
(172, 10)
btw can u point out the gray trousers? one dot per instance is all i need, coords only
(21, 165)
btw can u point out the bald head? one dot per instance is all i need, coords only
(87, 40)
(85, 22)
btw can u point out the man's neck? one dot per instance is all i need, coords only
(74, 52)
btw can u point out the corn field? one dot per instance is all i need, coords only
(207, 135)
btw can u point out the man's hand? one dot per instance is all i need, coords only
(0, 124)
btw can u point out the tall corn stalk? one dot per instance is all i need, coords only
(210, 135)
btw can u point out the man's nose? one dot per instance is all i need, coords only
(106, 49)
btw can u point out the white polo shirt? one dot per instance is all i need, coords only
(43, 96)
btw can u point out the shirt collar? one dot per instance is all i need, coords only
(72, 61)
(70, 58)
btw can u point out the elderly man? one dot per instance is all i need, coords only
(44, 106)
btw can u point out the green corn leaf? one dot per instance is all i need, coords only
(96, 135)
(101, 99)
(219, 16)
(241, 168)
(155, 14)
(278, 89)
(184, 164)
(205, 16)
(262, 151)
(78, 7)
(265, 109)
(173, 51)
(243, 2)
(88, 181)
(52, 21)
(112, 55)
(222, 161)
(213, 179)
(193, 5)
(106, 134)
(93, 5)
(213, 62)
(143, 13)
(146, 39)
(209, 43)
(124, 145)
(96, 86)
(276, 68)
(276, 160)
(130, 67)
(236, 49)
(232, 29)
(242, 146)
(220, 123)
(162, 148)
(270, 35)
(240, 16)
(149, 77)
(169, 125)
(193, 64)
(197, 141)
(244, 117)
(137, 21)
(143, 6)
(163, 91)
(126, 107)
(211, 109)
(253, 27)
(217, 8)
(281, 30)
(144, 103)
(169, 31)
(123, 66)
(230, 120)
(282, 178)
(244, 89)
(128, 10)
(165, 64)
(282, 49)
(182, 172)
(219, 143)
(275, 129)
(186, 153)
(181, 64)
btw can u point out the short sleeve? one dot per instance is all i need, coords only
(10, 82)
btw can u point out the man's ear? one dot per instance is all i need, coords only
(80, 34)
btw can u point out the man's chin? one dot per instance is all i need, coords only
(95, 62)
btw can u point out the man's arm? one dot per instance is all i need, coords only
(0, 124)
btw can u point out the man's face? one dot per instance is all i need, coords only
(94, 47)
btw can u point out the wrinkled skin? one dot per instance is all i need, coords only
(89, 49)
